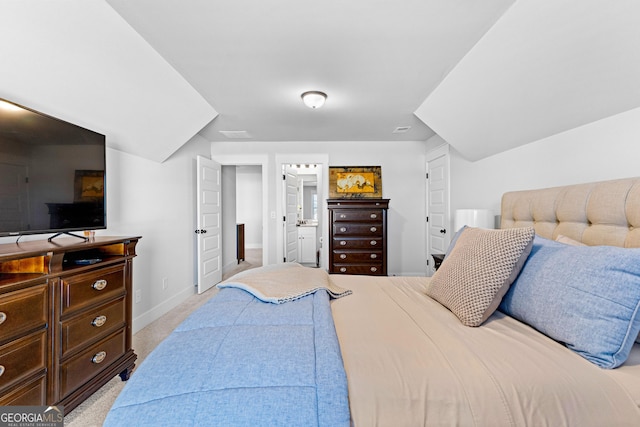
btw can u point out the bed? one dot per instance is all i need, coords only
(544, 336)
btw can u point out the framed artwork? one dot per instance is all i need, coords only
(89, 186)
(355, 182)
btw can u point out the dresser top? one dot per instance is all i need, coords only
(63, 244)
(358, 203)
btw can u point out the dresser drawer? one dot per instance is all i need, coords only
(351, 229)
(359, 215)
(22, 357)
(22, 311)
(92, 325)
(90, 288)
(368, 269)
(356, 257)
(356, 243)
(81, 368)
(32, 393)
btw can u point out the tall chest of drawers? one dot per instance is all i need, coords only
(358, 236)
(65, 319)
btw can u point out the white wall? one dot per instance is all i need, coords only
(156, 201)
(249, 203)
(602, 150)
(403, 168)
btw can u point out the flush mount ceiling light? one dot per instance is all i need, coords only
(314, 98)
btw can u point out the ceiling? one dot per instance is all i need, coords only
(546, 67)
(79, 61)
(250, 60)
(485, 76)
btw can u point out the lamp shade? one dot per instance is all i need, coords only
(482, 218)
(314, 99)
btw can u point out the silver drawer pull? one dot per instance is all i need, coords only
(374, 256)
(374, 269)
(3, 317)
(373, 243)
(343, 269)
(374, 216)
(99, 357)
(343, 216)
(99, 285)
(99, 321)
(343, 256)
(343, 229)
(343, 242)
(1, 370)
(373, 229)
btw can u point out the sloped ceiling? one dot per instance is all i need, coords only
(251, 60)
(78, 60)
(487, 76)
(545, 67)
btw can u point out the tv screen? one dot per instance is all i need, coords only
(52, 174)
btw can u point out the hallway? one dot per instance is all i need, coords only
(253, 259)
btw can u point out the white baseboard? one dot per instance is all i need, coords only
(408, 274)
(230, 266)
(159, 310)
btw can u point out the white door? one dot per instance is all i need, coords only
(438, 233)
(291, 214)
(209, 229)
(13, 197)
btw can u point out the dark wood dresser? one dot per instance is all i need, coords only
(65, 319)
(358, 236)
(240, 242)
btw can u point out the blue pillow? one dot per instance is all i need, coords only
(454, 241)
(586, 297)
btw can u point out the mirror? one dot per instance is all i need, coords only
(306, 187)
(310, 198)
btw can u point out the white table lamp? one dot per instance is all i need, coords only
(482, 218)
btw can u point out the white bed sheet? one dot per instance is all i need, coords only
(410, 362)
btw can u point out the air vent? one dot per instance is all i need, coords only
(236, 134)
(402, 129)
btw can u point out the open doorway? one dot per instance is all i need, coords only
(309, 217)
(302, 234)
(238, 196)
(242, 219)
(249, 213)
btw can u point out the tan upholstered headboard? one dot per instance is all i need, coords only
(597, 213)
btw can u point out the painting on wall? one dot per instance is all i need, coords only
(355, 182)
(89, 186)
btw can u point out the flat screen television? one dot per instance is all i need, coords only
(52, 174)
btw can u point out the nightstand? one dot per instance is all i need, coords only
(437, 260)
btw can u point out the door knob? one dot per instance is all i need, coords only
(443, 231)
(201, 231)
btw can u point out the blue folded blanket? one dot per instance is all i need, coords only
(238, 361)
